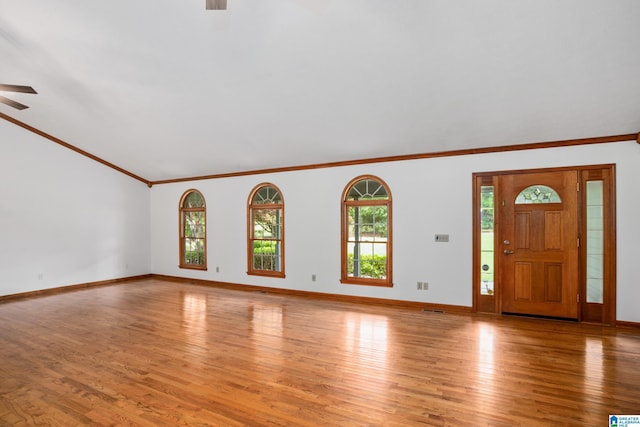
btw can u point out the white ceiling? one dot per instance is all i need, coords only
(166, 89)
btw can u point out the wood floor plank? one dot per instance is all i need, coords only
(163, 353)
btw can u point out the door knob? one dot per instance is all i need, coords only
(507, 252)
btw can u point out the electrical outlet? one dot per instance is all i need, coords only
(313, 277)
(425, 286)
(419, 287)
(217, 269)
(441, 238)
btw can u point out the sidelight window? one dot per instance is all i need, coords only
(595, 241)
(487, 225)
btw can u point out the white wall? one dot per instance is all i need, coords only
(429, 196)
(64, 218)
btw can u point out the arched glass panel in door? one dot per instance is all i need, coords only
(538, 194)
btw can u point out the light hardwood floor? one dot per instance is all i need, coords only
(159, 353)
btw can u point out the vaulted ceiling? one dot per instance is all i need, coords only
(166, 89)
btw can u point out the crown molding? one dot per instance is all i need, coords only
(72, 147)
(450, 153)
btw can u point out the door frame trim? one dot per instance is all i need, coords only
(493, 303)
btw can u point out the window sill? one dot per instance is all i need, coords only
(275, 274)
(193, 267)
(367, 282)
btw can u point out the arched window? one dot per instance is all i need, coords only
(366, 232)
(193, 234)
(265, 220)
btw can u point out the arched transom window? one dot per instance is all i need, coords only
(193, 234)
(366, 232)
(265, 246)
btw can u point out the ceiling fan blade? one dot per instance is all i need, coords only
(17, 88)
(216, 4)
(12, 103)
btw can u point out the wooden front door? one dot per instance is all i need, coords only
(538, 244)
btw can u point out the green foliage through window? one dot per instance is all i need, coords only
(194, 257)
(371, 266)
(372, 220)
(487, 208)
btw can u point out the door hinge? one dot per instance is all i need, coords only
(577, 186)
(578, 298)
(578, 242)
